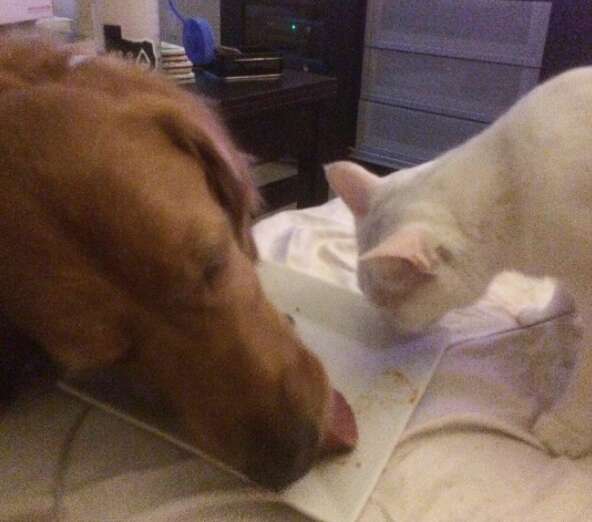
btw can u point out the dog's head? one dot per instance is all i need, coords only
(126, 237)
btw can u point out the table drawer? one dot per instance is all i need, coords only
(463, 88)
(490, 30)
(409, 136)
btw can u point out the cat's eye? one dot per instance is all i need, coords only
(444, 254)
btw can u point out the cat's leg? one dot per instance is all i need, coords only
(566, 429)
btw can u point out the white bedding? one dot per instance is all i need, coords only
(467, 454)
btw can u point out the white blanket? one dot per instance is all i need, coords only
(467, 454)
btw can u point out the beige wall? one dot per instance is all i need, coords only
(65, 8)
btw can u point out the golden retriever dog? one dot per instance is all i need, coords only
(125, 240)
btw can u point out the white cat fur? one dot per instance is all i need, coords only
(518, 196)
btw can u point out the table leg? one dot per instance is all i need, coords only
(314, 150)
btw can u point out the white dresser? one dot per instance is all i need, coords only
(436, 72)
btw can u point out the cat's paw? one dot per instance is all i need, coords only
(560, 437)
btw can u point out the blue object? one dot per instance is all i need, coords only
(198, 38)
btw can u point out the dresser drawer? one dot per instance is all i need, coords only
(407, 136)
(491, 30)
(457, 87)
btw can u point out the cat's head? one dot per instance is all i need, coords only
(412, 256)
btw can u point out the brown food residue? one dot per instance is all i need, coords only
(399, 377)
(391, 386)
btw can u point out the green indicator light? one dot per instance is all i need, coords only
(293, 27)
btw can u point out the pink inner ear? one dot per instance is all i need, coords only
(409, 244)
(352, 183)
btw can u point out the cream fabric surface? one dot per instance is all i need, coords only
(467, 454)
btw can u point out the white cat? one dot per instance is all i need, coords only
(517, 196)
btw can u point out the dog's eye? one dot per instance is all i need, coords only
(213, 269)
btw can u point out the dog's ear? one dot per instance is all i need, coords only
(197, 131)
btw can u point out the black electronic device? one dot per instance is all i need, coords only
(299, 32)
(246, 64)
(319, 36)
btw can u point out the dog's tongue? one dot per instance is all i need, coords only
(342, 434)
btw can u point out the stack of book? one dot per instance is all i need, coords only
(175, 63)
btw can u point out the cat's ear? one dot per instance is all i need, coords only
(352, 183)
(409, 248)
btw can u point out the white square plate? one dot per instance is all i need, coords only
(382, 376)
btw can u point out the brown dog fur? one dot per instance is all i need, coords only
(125, 237)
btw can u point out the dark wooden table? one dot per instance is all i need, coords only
(291, 117)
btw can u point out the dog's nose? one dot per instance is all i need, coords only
(283, 459)
(288, 457)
